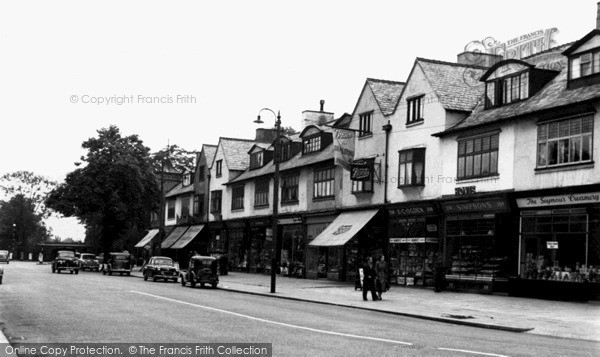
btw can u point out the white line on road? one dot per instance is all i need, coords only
(275, 322)
(472, 352)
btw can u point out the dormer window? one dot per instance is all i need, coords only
(507, 90)
(187, 179)
(311, 144)
(586, 64)
(286, 151)
(256, 160)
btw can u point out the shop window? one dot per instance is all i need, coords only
(171, 209)
(415, 109)
(478, 157)
(506, 90)
(555, 246)
(219, 168)
(215, 201)
(565, 142)
(324, 180)
(261, 193)
(311, 144)
(237, 253)
(237, 197)
(364, 124)
(411, 171)
(289, 189)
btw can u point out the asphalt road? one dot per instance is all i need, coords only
(38, 306)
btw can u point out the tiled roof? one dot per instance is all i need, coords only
(386, 93)
(179, 190)
(456, 85)
(209, 153)
(553, 96)
(235, 152)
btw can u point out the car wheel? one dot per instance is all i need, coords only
(103, 272)
(145, 277)
(109, 272)
(175, 280)
(58, 271)
(192, 283)
(70, 271)
(53, 269)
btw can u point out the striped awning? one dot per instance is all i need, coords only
(147, 238)
(173, 237)
(343, 228)
(187, 237)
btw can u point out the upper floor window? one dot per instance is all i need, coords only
(171, 209)
(215, 201)
(478, 157)
(237, 197)
(565, 142)
(411, 171)
(415, 109)
(585, 64)
(201, 173)
(256, 160)
(311, 144)
(185, 207)
(261, 193)
(364, 124)
(219, 167)
(289, 189)
(286, 151)
(324, 183)
(198, 205)
(507, 90)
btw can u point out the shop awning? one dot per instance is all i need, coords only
(147, 238)
(343, 228)
(173, 237)
(187, 237)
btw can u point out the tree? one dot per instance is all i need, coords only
(31, 186)
(114, 190)
(174, 156)
(21, 228)
(288, 131)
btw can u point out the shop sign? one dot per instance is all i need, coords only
(497, 204)
(342, 229)
(292, 220)
(411, 211)
(467, 190)
(361, 170)
(414, 240)
(571, 199)
(552, 244)
(395, 240)
(343, 147)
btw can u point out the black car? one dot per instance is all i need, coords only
(64, 259)
(117, 263)
(160, 268)
(202, 270)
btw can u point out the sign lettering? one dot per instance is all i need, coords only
(576, 198)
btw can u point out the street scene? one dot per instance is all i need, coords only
(268, 179)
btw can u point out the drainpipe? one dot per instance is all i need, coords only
(387, 128)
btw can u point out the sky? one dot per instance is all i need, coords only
(187, 72)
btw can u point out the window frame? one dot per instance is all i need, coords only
(198, 205)
(219, 168)
(257, 160)
(594, 54)
(285, 189)
(314, 147)
(481, 152)
(504, 94)
(261, 192)
(415, 152)
(171, 210)
(324, 182)
(559, 138)
(365, 124)
(415, 104)
(201, 170)
(237, 197)
(216, 197)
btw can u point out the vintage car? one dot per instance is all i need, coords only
(4, 256)
(160, 268)
(64, 259)
(117, 263)
(1, 274)
(88, 261)
(201, 270)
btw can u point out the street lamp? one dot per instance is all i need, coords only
(276, 257)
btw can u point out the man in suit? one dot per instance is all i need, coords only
(369, 279)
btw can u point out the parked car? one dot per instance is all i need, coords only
(4, 256)
(201, 270)
(1, 274)
(117, 263)
(160, 268)
(88, 261)
(64, 259)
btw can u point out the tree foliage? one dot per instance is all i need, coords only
(180, 159)
(115, 188)
(31, 186)
(21, 228)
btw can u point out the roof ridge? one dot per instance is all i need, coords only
(236, 139)
(384, 81)
(451, 63)
(555, 48)
(211, 145)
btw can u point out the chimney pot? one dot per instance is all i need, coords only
(322, 104)
(598, 17)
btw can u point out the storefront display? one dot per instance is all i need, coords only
(238, 260)
(316, 257)
(293, 250)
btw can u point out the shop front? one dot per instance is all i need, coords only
(345, 243)
(316, 256)
(237, 246)
(293, 246)
(413, 231)
(559, 246)
(478, 243)
(260, 245)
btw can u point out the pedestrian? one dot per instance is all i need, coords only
(369, 279)
(382, 278)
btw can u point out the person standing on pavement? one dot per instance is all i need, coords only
(381, 270)
(369, 279)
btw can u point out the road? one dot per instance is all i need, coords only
(38, 306)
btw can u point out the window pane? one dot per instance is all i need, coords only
(575, 71)
(485, 163)
(596, 66)
(469, 166)
(469, 146)
(543, 132)
(552, 152)
(515, 89)
(418, 171)
(553, 130)
(477, 165)
(491, 93)
(485, 143)
(401, 180)
(461, 147)
(409, 156)
(495, 140)
(477, 145)
(507, 90)
(575, 150)
(563, 128)
(586, 148)
(408, 180)
(575, 126)
(494, 162)
(587, 124)
(563, 150)
(542, 154)
(524, 85)
(461, 167)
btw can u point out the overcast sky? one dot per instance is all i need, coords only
(225, 59)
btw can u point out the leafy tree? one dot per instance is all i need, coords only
(30, 186)
(288, 130)
(21, 228)
(175, 157)
(114, 190)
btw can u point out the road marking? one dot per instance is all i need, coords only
(472, 352)
(275, 322)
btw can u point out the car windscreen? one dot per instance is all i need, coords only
(88, 256)
(120, 257)
(65, 254)
(3, 253)
(163, 262)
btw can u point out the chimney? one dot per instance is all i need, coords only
(322, 104)
(598, 16)
(477, 58)
(313, 117)
(264, 135)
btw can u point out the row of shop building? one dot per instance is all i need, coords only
(483, 167)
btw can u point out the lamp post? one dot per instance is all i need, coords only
(276, 256)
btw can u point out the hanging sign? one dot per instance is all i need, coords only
(361, 170)
(552, 244)
(343, 147)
